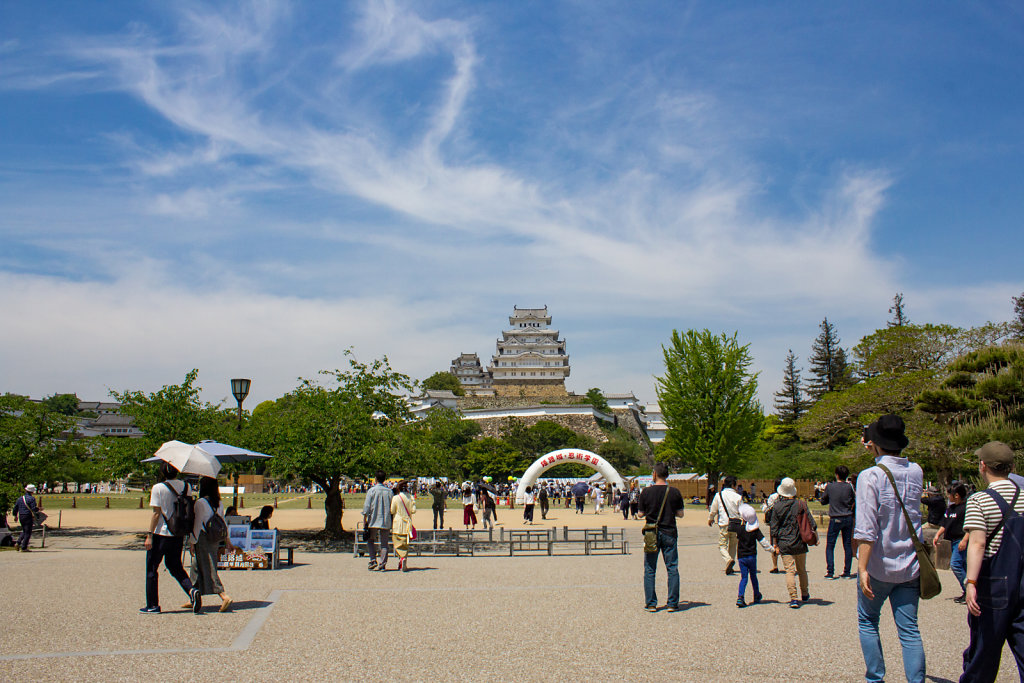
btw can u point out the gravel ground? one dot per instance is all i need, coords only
(522, 618)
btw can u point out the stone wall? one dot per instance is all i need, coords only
(478, 402)
(587, 425)
(538, 388)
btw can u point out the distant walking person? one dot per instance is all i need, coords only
(724, 511)
(377, 522)
(25, 510)
(768, 504)
(887, 562)
(746, 553)
(953, 531)
(528, 502)
(542, 498)
(468, 513)
(840, 498)
(487, 504)
(994, 600)
(785, 528)
(438, 506)
(660, 504)
(162, 545)
(403, 505)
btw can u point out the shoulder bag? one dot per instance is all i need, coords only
(805, 523)
(651, 530)
(735, 523)
(412, 529)
(930, 586)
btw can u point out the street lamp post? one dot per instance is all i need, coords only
(240, 389)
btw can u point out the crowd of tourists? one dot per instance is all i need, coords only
(880, 519)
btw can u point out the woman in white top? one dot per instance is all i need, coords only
(206, 551)
(598, 499)
(529, 500)
(402, 506)
(468, 513)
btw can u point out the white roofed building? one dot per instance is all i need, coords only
(471, 375)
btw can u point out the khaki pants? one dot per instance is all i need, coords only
(727, 544)
(795, 565)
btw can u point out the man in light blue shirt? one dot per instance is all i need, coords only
(377, 522)
(888, 568)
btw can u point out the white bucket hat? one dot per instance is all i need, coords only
(749, 516)
(787, 488)
(31, 488)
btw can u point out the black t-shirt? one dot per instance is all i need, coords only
(746, 541)
(650, 503)
(936, 505)
(954, 522)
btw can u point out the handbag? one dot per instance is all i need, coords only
(930, 586)
(412, 529)
(651, 530)
(735, 523)
(805, 523)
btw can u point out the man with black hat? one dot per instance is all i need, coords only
(887, 562)
(1001, 602)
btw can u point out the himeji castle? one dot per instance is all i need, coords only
(530, 360)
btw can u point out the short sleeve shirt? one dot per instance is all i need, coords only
(650, 503)
(162, 497)
(983, 513)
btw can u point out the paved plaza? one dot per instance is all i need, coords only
(70, 611)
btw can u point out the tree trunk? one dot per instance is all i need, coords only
(334, 505)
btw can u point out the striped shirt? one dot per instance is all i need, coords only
(983, 512)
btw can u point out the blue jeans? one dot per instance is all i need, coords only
(903, 599)
(958, 563)
(837, 526)
(670, 553)
(748, 566)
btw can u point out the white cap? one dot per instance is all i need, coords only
(749, 516)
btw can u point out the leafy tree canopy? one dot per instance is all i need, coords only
(708, 398)
(444, 381)
(597, 399)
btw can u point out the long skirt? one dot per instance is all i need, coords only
(203, 571)
(468, 515)
(401, 542)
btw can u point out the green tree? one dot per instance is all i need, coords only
(597, 399)
(838, 417)
(33, 439)
(353, 427)
(65, 404)
(789, 401)
(444, 381)
(621, 451)
(981, 399)
(708, 398)
(1017, 324)
(490, 456)
(174, 413)
(829, 367)
(543, 437)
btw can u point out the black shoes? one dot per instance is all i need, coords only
(729, 571)
(962, 600)
(775, 571)
(740, 602)
(197, 601)
(806, 598)
(150, 610)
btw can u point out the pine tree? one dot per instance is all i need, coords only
(829, 366)
(1017, 325)
(899, 318)
(789, 401)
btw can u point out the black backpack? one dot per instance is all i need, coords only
(183, 514)
(216, 528)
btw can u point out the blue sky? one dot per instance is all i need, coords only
(250, 189)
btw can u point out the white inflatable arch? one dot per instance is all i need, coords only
(563, 457)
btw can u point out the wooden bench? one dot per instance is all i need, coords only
(289, 552)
